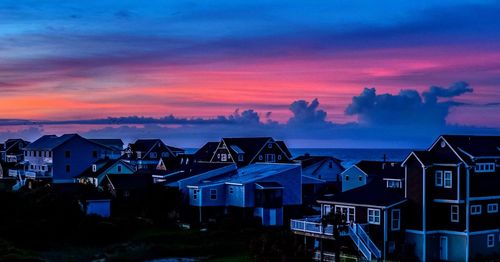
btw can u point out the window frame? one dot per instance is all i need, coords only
(398, 220)
(450, 179)
(196, 191)
(457, 213)
(490, 237)
(374, 216)
(438, 174)
(492, 205)
(213, 194)
(476, 209)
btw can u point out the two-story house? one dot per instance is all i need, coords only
(453, 191)
(145, 153)
(60, 158)
(245, 151)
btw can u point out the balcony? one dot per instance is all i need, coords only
(311, 226)
(36, 174)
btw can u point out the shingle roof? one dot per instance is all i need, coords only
(381, 168)
(476, 146)
(116, 144)
(374, 193)
(206, 152)
(49, 142)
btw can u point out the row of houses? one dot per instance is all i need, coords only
(252, 177)
(439, 204)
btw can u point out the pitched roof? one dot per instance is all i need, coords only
(14, 146)
(474, 146)
(126, 182)
(49, 142)
(206, 152)
(374, 193)
(144, 145)
(283, 147)
(250, 145)
(198, 168)
(101, 166)
(268, 185)
(307, 160)
(381, 168)
(115, 144)
(175, 149)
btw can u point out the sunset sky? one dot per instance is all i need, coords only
(88, 66)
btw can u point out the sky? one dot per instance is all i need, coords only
(316, 73)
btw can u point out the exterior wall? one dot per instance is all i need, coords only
(324, 172)
(236, 198)
(273, 149)
(183, 183)
(439, 217)
(270, 216)
(99, 207)
(203, 198)
(81, 157)
(352, 178)
(485, 220)
(414, 184)
(456, 246)
(479, 247)
(291, 180)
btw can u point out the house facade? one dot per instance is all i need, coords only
(265, 191)
(59, 159)
(146, 153)
(453, 191)
(97, 172)
(365, 171)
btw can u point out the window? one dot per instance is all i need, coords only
(119, 167)
(39, 153)
(260, 157)
(213, 194)
(223, 157)
(447, 179)
(454, 213)
(393, 184)
(326, 209)
(493, 208)
(67, 154)
(231, 190)
(240, 157)
(279, 157)
(269, 145)
(152, 155)
(348, 212)
(139, 154)
(484, 167)
(395, 219)
(94, 168)
(270, 158)
(346, 178)
(68, 169)
(360, 178)
(94, 154)
(439, 178)
(475, 209)
(195, 194)
(490, 240)
(164, 154)
(374, 216)
(218, 156)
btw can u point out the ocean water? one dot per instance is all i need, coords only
(350, 156)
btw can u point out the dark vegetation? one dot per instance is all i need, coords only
(46, 224)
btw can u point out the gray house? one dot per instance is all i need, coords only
(60, 159)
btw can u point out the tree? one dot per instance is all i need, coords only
(338, 222)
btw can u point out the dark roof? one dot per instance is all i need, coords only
(381, 168)
(126, 182)
(102, 165)
(307, 160)
(191, 170)
(250, 145)
(116, 144)
(144, 145)
(175, 149)
(283, 146)
(206, 152)
(49, 142)
(476, 146)
(374, 193)
(14, 146)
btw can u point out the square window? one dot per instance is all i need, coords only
(374, 216)
(475, 209)
(493, 208)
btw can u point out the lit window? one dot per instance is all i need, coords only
(493, 208)
(454, 213)
(393, 184)
(484, 167)
(439, 178)
(395, 219)
(223, 157)
(475, 209)
(491, 240)
(213, 194)
(373, 216)
(447, 179)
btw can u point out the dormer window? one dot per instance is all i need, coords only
(94, 168)
(484, 167)
(269, 145)
(240, 157)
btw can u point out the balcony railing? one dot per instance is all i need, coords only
(359, 243)
(14, 173)
(313, 225)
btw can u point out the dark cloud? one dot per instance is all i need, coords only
(406, 108)
(305, 113)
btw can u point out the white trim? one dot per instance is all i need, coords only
(358, 205)
(408, 157)
(399, 220)
(448, 201)
(450, 179)
(492, 236)
(457, 213)
(484, 198)
(395, 204)
(441, 137)
(492, 205)
(263, 146)
(406, 181)
(485, 232)
(438, 174)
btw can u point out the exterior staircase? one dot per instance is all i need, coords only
(363, 242)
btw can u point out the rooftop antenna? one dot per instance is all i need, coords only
(385, 158)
